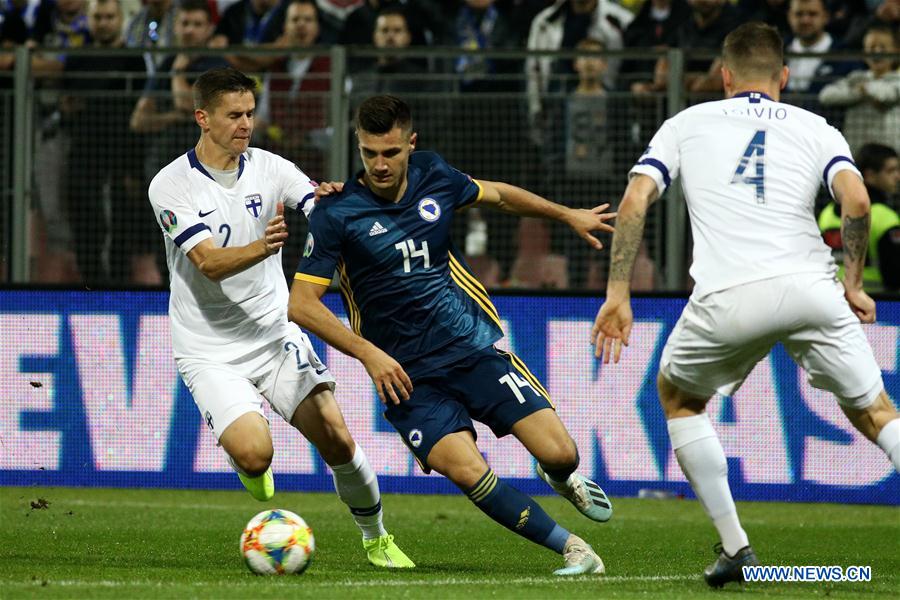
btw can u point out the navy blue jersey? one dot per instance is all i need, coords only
(405, 287)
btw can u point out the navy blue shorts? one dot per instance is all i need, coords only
(491, 386)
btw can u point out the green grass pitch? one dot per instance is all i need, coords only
(104, 543)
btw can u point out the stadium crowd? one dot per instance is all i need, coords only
(570, 128)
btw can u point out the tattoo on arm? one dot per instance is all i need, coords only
(855, 236)
(626, 241)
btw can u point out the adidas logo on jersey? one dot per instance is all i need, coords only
(377, 229)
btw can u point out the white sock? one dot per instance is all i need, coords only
(702, 459)
(357, 487)
(889, 441)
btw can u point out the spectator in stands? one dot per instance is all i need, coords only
(872, 96)
(480, 25)
(294, 102)
(426, 20)
(103, 153)
(655, 26)
(773, 12)
(392, 73)
(151, 27)
(562, 26)
(710, 22)
(808, 20)
(59, 25)
(886, 12)
(880, 167)
(250, 23)
(166, 108)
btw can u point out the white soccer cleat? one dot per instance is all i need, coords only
(588, 497)
(580, 559)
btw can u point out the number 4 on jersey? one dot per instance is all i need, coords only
(756, 152)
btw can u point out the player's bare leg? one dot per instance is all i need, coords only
(320, 420)
(703, 461)
(548, 441)
(880, 423)
(457, 458)
(248, 445)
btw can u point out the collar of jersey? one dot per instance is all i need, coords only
(753, 94)
(359, 187)
(196, 164)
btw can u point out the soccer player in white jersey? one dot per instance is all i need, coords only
(750, 168)
(220, 207)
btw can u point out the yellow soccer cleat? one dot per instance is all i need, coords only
(383, 552)
(261, 487)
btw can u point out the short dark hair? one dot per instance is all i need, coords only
(212, 84)
(192, 5)
(310, 2)
(872, 157)
(886, 29)
(754, 49)
(380, 114)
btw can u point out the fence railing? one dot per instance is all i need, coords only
(79, 148)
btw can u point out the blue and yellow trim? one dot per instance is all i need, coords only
(349, 301)
(473, 288)
(522, 368)
(485, 486)
(312, 279)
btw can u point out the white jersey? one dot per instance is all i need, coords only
(750, 169)
(225, 320)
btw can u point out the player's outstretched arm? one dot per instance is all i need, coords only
(305, 308)
(219, 263)
(856, 216)
(614, 319)
(523, 203)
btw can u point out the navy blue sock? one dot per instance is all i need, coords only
(562, 475)
(517, 512)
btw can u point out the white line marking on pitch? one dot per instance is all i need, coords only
(366, 583)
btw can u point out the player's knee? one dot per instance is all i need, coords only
(560, 455)
(253, 460)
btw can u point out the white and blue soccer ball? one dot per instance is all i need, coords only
(277, 542)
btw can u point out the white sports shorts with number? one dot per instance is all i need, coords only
(722, 335)
(284, 372)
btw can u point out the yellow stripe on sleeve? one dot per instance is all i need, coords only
(312, 279)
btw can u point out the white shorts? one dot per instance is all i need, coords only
(283, 373)
(721, 336)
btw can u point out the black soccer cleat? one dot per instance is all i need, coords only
(729, 568)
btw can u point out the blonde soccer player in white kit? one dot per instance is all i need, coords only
(220, 207)
(750, 169)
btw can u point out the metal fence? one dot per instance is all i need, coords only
(87, 143)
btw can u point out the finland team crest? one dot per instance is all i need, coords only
(253, 204)
(429, 209)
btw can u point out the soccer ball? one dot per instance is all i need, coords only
(277, 542)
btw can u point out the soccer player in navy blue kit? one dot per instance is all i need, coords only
(424, 327)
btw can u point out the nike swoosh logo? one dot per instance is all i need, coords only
(318, 372)
(202, 214)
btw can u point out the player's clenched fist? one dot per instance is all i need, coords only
(276, 231)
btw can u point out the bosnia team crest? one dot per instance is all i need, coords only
(253, 204)
(167, 220)
(310, 243)
(415, 438)
(429, 209)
